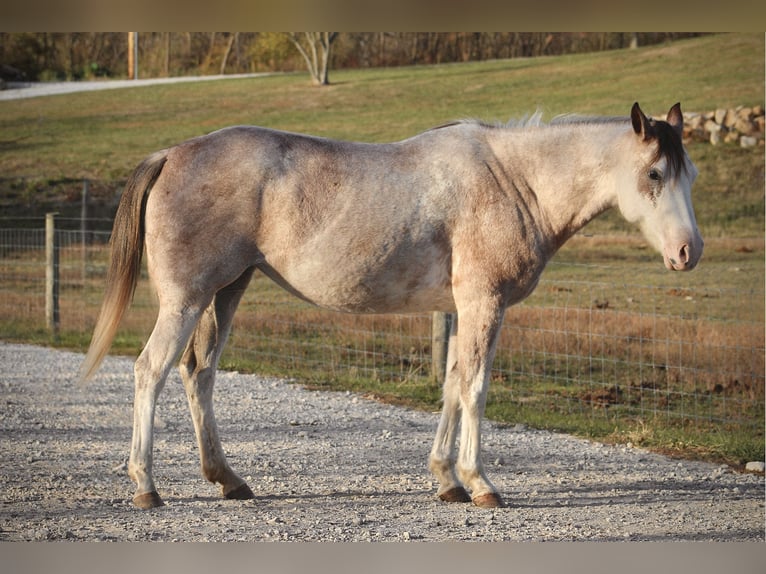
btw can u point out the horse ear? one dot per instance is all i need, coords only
(676, 119)
(640, 122)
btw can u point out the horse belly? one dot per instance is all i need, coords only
(357, 285)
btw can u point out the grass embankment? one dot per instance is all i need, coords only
(50, 144)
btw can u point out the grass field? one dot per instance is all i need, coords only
(50, 144)
(594, 351)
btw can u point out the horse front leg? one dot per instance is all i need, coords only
(198, 369)
(477, 342)
(473, 341)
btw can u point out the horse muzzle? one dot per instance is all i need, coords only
(683, 255)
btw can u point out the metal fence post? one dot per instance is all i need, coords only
(51, 274)
(441, 325)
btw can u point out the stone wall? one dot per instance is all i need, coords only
(741, 125)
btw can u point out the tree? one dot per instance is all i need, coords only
(315, 48)
(232, 38)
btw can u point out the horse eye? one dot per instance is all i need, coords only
(654, 175)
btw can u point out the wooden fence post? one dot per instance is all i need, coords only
(84, 229)
(441, 325)
(51, 274)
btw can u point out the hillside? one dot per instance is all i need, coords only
(49, 145)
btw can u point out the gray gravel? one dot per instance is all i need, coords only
(325, 466)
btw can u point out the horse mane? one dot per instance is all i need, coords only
(582, 119)
(533, 120)
(669, 143)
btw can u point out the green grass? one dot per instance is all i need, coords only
(49, 145)
(103, 135)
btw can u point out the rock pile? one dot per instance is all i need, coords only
(743, 125)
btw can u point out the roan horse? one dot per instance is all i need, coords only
(461, 218)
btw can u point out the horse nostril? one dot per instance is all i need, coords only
(684, 253)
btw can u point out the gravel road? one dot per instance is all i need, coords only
(325, 467)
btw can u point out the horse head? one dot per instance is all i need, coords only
(658, 195)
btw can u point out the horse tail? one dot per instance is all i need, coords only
(127, 247)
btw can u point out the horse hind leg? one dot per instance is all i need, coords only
(443, 453)
(198, 368)
(170, 334)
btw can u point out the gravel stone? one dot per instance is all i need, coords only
(325, 467)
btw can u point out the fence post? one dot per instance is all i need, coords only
(84, 228)
(51, 274)
(441, 325)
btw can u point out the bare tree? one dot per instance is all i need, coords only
(315, 48)
(232, 38)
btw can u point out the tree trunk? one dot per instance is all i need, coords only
(316, 53)
(228, 52)
(166, 65)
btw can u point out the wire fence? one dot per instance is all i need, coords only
(591, 339)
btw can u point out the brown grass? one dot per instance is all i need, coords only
(588, 343)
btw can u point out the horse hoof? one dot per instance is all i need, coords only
(148, 500)
(242, 492)
(489, 500)
(455, 494)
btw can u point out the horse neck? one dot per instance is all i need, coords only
(569, 169)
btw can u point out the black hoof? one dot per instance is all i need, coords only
(242, 492)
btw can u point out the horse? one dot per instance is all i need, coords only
(461, 218)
